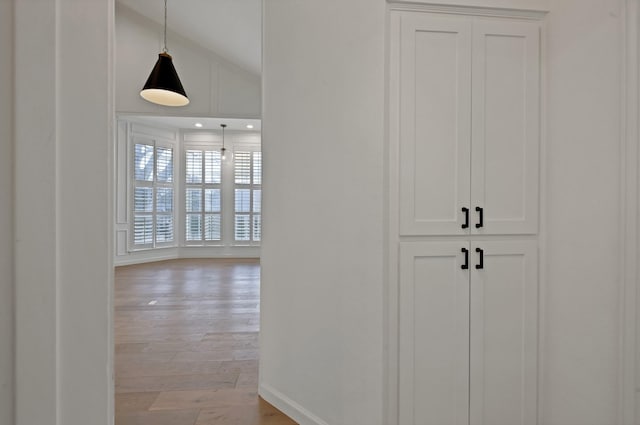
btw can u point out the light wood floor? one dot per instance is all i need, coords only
(186, 341)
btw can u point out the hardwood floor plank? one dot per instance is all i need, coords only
(174, 382)
(247, 380)
(241, 365)
(176, 417)
(134, 402)
(171, 400)
(261, 413)
(155, 368)
(187, 344)
(129, 337)
(222, 355)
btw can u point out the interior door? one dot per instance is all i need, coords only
(503, 333)
(434, 334)
(435, 124)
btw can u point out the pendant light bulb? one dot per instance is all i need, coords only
(223, 151)
(163, 86)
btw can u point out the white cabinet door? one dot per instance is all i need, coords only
(434, 334)
(468, 337)
(505, 126)
(468, 124)
(503, 333)
(434, 123)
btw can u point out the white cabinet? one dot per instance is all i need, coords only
(464, 122)
(468, 94)
(467, 339)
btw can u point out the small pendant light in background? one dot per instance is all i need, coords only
(223, 151)
(163, 85)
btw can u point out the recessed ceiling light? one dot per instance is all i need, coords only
(249, 126)
(198, 124)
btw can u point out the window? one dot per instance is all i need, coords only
(153, 195)
(179, 192)
(247, 196)
(203, 196)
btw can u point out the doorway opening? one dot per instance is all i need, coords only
(187, 225)
(186, 293)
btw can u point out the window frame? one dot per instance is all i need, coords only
(252, 187)
(211, 146)
(154, 184)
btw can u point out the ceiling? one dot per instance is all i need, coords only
(230, 28)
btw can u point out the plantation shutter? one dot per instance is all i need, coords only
(153, 195)
(203, 196)
(247, 196)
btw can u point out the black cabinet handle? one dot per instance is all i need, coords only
(480, 265)
(465, 210)
(465, 266)
(480, 222)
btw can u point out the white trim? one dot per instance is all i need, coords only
(36, 370)
(289, 407)
(542, 216)
(149, 132)
(62, 275)
(533, 5)
(147, 256)
(175, 253)
(58, 208)
(628, 212)
(496, 8)
(113, 135)
(389, 372)
(392, 230)
(121, 178)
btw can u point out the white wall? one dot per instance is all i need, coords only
(6, 213)
(215, 87)
(62, 207)
(580, 294)
(321, 351)
(322, 305)
(35, 186)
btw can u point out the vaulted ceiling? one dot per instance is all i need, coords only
(230, 28)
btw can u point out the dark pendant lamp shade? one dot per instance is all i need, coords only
(163, 85)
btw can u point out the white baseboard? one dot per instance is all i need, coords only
(145, 257)
(288, 406)
(172, 253)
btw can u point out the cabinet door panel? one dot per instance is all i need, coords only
(434, 334)
(435, 124)
(503, 334)
(505, 126)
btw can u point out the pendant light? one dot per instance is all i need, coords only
(163, 85)
(223, 150)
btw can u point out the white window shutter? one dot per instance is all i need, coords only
(153, 194)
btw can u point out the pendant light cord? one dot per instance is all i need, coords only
(165, 27)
